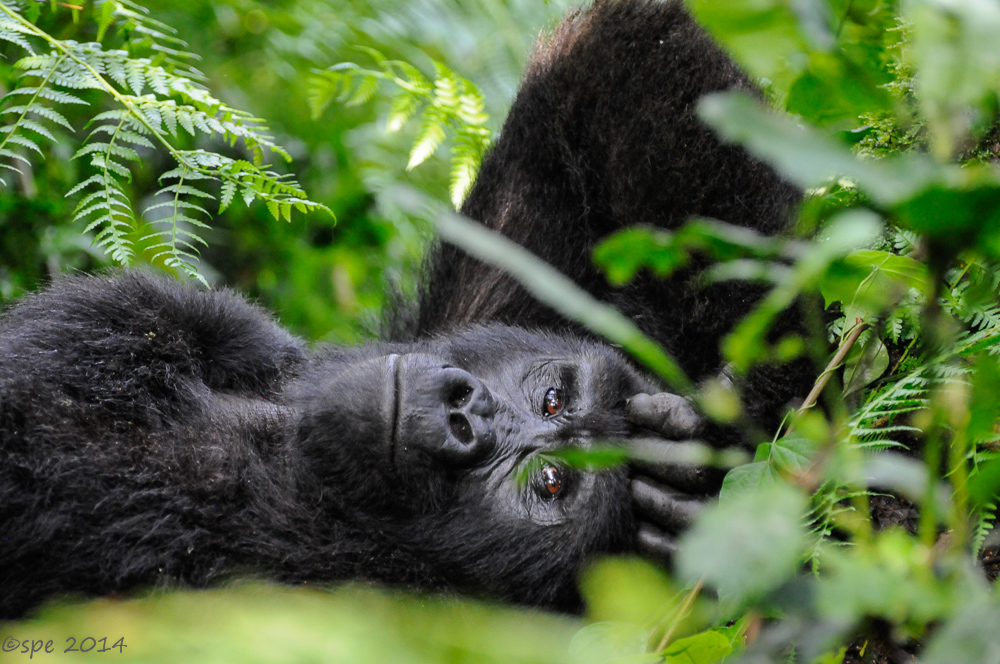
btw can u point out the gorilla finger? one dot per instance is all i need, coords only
(666, 507)
(677, 464)
(668, 414)
(653, 542)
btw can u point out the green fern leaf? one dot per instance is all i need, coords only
(104, 163)
(10, 154)
(184, 119)
(428, 139)
(169, 115)
(135, 76)
(25, 142)
(186, 190)
(152, 115)
(41, 111)
(93, 179)
(402, 108)
(178, 205)
(366, 89)
(115, 67)
(248, 195)
(321, 92)
(55, 95)
(157, 80)
(15, 37)
(446, 86)
(228, 193)
(116, 115)
(31, 125)
(414, 78)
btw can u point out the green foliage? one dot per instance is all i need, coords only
(890, 124)
(899, 240)
(267, 624)
(896, 111)
(449, 102)
(156, 96)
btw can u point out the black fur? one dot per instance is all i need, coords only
(603, 135)
(153, 434)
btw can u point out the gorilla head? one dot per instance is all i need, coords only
(456, 445)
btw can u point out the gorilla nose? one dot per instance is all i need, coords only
(443, 411)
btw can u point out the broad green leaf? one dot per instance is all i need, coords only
(835, 90)
(807, 157)
(747, 478)
(866, 282)
(866, 362)
(708, 647)
(628, 590)
(611, 643)
(958, 216)
(747, 546)
(748, 343)
(726, 242)
(624, 253)
(886, 577)
(545, 283)
(763, 35)
(792, 453)
(969, 636)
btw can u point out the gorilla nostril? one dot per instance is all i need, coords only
(461, 428)
(460, 395)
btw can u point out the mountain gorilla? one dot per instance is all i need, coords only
(156, 434)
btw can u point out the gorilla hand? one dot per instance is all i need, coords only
(667, 491)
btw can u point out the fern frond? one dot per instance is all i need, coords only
(177, 244)
(985, 522)
(429, 137)
(471, 143)
(157, 91)
(450, 103)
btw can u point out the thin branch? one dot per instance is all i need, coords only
(824, 377)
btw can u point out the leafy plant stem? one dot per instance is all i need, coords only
(958, 474)
(824, 377)
(905, 354)
(110, 89)
(106, 179)
(682, 612)
(927, 527)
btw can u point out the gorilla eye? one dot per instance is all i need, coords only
(553, 402)
(552, 480)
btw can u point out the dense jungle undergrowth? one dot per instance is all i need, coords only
(862, 531)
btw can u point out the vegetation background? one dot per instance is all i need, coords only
(862, 531)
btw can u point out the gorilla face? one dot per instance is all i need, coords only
(467, 430)
(474, 422)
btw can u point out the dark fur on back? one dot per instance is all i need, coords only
(603, 135)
